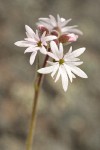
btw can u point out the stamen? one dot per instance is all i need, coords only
(61, 61)
(39, 44)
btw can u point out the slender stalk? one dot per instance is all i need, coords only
(34, 109)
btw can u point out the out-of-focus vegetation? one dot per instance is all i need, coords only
(66, 121)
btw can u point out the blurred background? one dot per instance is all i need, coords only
(65, 121)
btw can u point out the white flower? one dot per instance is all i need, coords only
(34, 43)
(64, 65)
(60, 25)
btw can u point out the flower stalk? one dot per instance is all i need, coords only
(34, 109)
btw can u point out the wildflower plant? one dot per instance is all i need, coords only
(50, 39)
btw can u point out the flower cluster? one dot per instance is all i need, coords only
(49, 39)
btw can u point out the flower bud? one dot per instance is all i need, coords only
(43, 29)
(72, 37)
(68, 38)
(56, 41)
(54, 32)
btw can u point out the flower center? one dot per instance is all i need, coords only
(61, 61)
(39, 44)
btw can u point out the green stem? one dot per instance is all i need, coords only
(34, 109)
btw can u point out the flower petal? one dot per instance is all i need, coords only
(78, 72)
(65, 22)
(27, 34)
(37, 36)
(70, 50)
(29, 49)
(56, 67)
(64, 77)
(75, 63)
(76, 31)
(58, 19)
(29, 31)
(61, 50)
(67, 28)
(53, 20)
(46, 70)
(43, 35)
(31, 40)
(53, 56)
(54, 49)
(68, 59)
(23, 43)
(77, 52)
(43, 50)
(32, 57)
(47, 25)
(58, 76)
(68, 72)
(49, 38)
(45, 19)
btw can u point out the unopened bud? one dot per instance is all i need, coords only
(68, 38)
(72, 37)
(56, 41)
(54, 32)
(43, 29)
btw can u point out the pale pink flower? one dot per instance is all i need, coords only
(64, 66)
(35, 43)
(60, 25)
